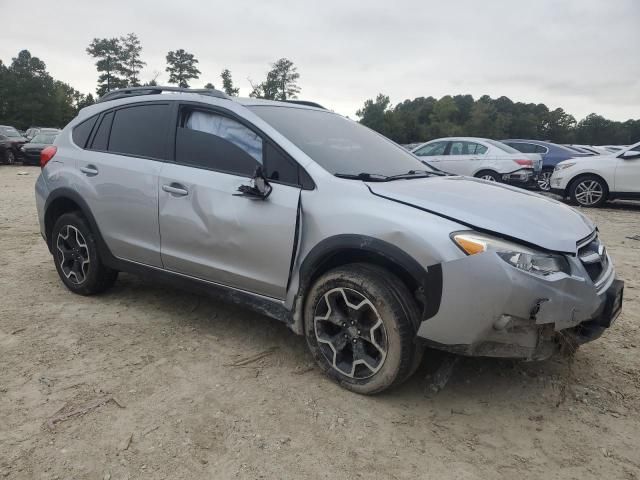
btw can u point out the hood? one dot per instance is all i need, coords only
(493, 207)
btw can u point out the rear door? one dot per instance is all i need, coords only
(464, 157)
(119, 178)
(210, 232)
(628, 173)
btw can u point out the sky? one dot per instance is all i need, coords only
(581, 55)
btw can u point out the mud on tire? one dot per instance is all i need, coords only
(360, 326)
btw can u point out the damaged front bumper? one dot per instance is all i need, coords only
(489, 308)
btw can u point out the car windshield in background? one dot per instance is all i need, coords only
(337, 144)
(10, 132)
(502, 146)
(44, 138)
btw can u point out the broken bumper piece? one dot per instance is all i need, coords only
(492, 309)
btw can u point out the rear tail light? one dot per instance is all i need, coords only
(524, 163)
(47, 154)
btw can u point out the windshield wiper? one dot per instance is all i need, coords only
(367, 177)
(414, 174)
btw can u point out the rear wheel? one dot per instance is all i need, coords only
(488, 175)
(359, 325)
(75, 255)
(589, 191)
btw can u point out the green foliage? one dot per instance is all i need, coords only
(181, 66)
(210, 86)
(227, 83)
(281, 82)
(130, 60)
(423, 119)
(108, 54)
(30, 96)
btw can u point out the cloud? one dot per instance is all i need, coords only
(575, 54)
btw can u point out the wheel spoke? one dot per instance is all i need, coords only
(73, 256)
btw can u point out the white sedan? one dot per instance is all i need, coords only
(481, 158)
(591, 181)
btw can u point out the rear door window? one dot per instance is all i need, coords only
(141, 130)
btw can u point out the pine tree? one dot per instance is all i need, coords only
(181, 67)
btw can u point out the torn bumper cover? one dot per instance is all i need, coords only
(490, 308)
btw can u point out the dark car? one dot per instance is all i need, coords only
(10, 143)
(551, 153)
(31, 150)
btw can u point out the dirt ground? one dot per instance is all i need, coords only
(182, 411)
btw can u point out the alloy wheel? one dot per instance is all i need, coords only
(73, 254)
(589, 192)
(489, 177)
(544, 181)
(350, 333)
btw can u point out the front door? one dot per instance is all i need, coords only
(628, 173)
(207, 230)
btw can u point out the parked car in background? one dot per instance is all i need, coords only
(31, 150)
(411, 146)
(613, 148)
(10, 143)
(481, 158)
(591, 181)
(319, 222)
(580, 149)
(551, 154)
(32, 132)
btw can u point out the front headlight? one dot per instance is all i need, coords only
(562, 166)
(519, 256)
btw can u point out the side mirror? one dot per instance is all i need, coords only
(259, 189)
(629, 154)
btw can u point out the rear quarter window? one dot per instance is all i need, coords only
(82, 131)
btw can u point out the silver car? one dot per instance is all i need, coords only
(321, 223)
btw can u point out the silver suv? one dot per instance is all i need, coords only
(319, 222)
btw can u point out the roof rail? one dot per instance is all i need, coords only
(304, 102)
(154, 90)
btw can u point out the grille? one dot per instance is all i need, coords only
(593, 256)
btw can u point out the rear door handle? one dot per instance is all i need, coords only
(90, 170)
(175, 189)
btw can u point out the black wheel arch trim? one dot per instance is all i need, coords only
(427, 281)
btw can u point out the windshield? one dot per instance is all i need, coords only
(337, 144)
(502, 146)
(46, 138)
(9, 132)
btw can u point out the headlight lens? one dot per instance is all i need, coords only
(562, 166)
(519, 256)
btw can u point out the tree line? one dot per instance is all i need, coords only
(426, 118)
(30, 96)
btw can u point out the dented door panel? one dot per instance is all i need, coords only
(213, 234)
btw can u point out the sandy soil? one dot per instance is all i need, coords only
(183, 412)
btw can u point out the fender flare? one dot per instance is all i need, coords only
(428, 281)
(70, 194)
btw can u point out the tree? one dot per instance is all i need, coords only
(109, 55)
(210, 86)
(227, 83)
(181, 67)
(281, 82)
(373, 113)
(130, 60)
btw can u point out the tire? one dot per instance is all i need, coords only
(544, 180)
(489, 175)
(76, 258)
(9, 157)
(380, 331)
(589, 191)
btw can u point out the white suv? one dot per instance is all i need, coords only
(591, 181)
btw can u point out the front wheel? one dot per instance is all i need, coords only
(544, 180)
(488, 175)
(589, 191)
(9, 157)
(359, 325)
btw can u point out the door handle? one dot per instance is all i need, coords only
(175, 189)
(90, 170)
